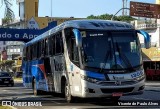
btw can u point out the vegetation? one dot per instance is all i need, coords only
(109, 16)
(9, 14)
(6, 65)
(6, 20)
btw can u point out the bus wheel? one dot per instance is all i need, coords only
(12, 84)
(68, 96)
(35, 91)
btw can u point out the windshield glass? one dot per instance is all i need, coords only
(111, 50)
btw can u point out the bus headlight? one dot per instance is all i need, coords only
(141, 77)
(138, 75)
(89, 79)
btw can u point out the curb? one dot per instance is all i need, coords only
(18, 80)
(152, 83)
(12, 107)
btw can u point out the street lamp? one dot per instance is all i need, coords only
(118, 12)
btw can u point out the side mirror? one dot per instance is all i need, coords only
(78, 37)
(147, 39)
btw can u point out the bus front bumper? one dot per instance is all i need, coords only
(90, 90)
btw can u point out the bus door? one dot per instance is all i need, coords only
(73, 63)
(58, 70)
(49, 75)
(47, 66)
(57, 60)
(75, 68)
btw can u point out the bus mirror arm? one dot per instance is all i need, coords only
(147, 39)
(78, 37)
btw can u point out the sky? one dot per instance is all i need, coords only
(74, 8)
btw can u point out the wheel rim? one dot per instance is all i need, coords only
(34, 88)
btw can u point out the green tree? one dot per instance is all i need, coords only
(126, 18)
(9, 14)
(6, 20)
(109, 16)
(6, 65)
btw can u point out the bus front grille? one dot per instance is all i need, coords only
(124, 90)
(112, 83)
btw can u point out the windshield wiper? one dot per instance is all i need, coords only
(106, 56)
(85, 55)
(124, 58)
(105, 61)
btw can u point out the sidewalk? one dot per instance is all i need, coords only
(18, 79)
(152, 83)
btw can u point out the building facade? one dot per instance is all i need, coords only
(14, 49)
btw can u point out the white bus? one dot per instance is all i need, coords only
(86, 58)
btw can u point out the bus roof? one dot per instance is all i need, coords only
(85, 24)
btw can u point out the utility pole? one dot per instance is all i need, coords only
(124, 5)
(51, 8)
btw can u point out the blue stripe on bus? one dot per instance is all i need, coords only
(95, 75)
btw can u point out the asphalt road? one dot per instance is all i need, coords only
(150, 98)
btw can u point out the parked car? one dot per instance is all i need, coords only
(6, 79)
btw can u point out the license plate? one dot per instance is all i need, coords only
(6, 81)
(117, 94)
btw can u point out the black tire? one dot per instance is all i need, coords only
(35, 91)
(69, 98)
(12, 84)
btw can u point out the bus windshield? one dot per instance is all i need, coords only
(111, 50)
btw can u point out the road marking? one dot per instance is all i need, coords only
(56, 102)
(4, 90)
(141, 98)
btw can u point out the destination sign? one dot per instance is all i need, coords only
(148, 10)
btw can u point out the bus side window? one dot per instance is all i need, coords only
(54, 45)
(39, 50)
(34, 51)
(74, 52)
(46, 47)
(71, 46)
(32, 54)
(29, 53)
(59, 44)
(42, 48)
(36, 48)
(24, 54)
(51, 45)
